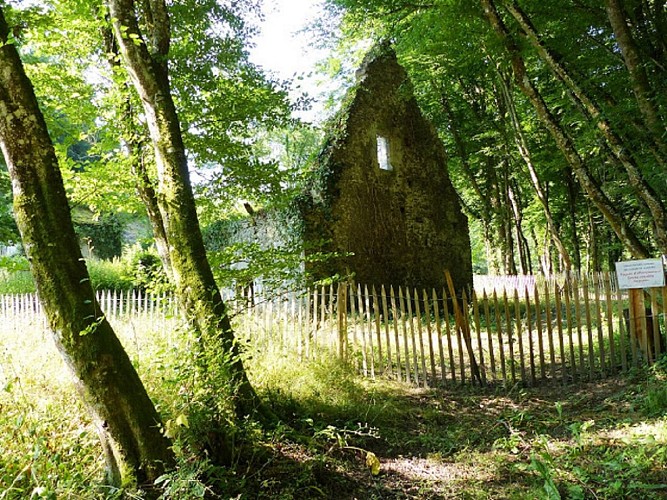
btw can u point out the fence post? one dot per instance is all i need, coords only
(589, 331)
(550, 333)
(538, 329)
(422, 354)
(598, 314)
(531, 346)
(655, 325)
(478, 329)
(394, 315)
(376, 313)
(610, 323)
(448, 329)
(369, 326)
(464, 327)
(489, 335)
(385, 313)
(341, 304)
(415, 364)
(404, 328)
(519, 334)
(438, 329)
(510, 340)
(559, 325)
(622, 330)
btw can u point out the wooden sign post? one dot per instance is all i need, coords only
(634, 276)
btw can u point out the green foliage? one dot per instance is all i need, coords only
(16, 282)
(144, 269)
(103, 235)
(463, 76)
(15, 263)
(8, 231)
(266, 246)
(204, 422)
(15, 277)
(655, 397)
(242, 263)
(109, 274)
(138, 268)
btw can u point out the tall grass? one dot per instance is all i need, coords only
(513, 444)
(116, 274)
(15, 282)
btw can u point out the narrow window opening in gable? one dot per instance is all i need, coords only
(383, 153)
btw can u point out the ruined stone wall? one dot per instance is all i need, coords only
(405, 225)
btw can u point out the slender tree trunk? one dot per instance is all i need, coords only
(127, 422)
(501, 228)
(146, 191)
(133, 134)
(545, 260)
(572, 193)
(620, 152)
(640, 83)
(505, 217)
(485, 214)
(521, 242)
(593, 247)
(619, 225)
(145, 57)
(540, 192)
(453, 128)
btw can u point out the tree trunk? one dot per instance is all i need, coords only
(453, 128)
(485, 213)
(624, 232)
(643, 190)
(572, 193)
(540, 192)
(134, 134)
(593, 247)
(193, 278)
(127, 422)
(505, 216)
(146, 191)
(640, 82)
(525, 265)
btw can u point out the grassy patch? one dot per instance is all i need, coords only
(601, 440)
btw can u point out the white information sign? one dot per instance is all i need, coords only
(645, 273)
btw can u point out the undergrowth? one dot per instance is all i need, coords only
(339, 435)
(138, 268)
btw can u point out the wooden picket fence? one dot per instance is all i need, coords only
(507, 331)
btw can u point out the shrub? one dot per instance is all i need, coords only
(144, 269)
(109, 274)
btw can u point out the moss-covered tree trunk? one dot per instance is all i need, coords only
(127, 422)
(145, 56)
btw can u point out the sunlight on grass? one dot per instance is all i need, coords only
(521, 443)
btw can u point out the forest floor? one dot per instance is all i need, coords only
(594, 440)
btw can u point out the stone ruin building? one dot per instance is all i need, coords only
(383, 197)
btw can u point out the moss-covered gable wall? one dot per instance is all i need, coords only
(403, 226)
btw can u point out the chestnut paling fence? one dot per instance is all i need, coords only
(508, 330)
